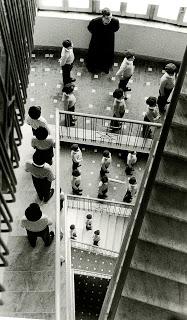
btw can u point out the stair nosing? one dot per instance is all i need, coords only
(157, 275)
(161, 244)
(174, 155)
(153, 305)
(166, 216)
(170, 185)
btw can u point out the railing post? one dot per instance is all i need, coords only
(57, 235)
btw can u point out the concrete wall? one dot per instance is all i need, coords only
(152, 39)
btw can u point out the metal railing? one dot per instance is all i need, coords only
(101, 131)
(91, 248)
(117, 282)
(102, 206)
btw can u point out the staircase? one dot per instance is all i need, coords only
(29, 280)
(156, 285)
(112, 227)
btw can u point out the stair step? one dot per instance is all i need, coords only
(29, 280)
(180, 116)
(156, 291)
(161, 261)
(172, 172)
(28, 302)
(167, 202)
(176, 144)
(130, 309)
(29, 316)
(164, 231)
(23, 257)
(110, 232)
(118, 233)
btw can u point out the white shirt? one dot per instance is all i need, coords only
(36, 123)
(126, 69)
(67, 56)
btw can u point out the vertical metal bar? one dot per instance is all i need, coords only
(6, 207)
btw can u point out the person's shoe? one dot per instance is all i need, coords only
(128, 89)
(72, 79)
(125, 98)
(72, 124)
(50, 195)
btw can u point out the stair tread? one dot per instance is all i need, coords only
(131, 309)
(164, 231)
(156, 291)
(172, 172)
(176, 143)
(167, 202)
(160, 261)
(23, 257)
(180, 116)
(29, 280)
(28, 301)
(28, 315)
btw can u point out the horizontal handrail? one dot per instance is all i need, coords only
(104, 201)
(92, 248)
(92, 274)
(94, 116)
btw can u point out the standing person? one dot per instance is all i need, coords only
(35, 120)
(69, 102)
(89, 222)
(96, 237)
(42, 177)
(76, 155)
(167, 83)
(105, 162)
(119, 107)
(62, 197)
(151, 115)
(126, 71)
(66, 61)
(75, 182)
(73, 232)
(131, 160)
(43, 143)
(37, 225)
(103, 188)
(101, 49)
(131, 190)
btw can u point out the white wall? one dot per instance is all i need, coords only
(146, 38)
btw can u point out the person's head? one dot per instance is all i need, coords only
(129, 55)
(34, 112)
(67, 44)
(118, 93)
(106, 154)
(76, 173)
(104, 179)
(106, 16)
(97, 232)
(33, 212)
(151, 102)
(41, 133)
(89, 216)
(75, 147)
(170, 68)
(72, 227)
(38, 160)
(132, 180)
(68, 88)
(133, 152)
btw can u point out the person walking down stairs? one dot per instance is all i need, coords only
(131, 190)
(89, 222)
(37, 225)
(76, 156)
(75, 182)
(105, 163)
(96, 238)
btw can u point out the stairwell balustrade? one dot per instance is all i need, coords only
(92, 274)
(96, 130)
(92, 248)
(116, 285)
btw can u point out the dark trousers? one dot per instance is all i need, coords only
(43, 187)
(95, 243)
(66, 71)
(75, 165)
(46, 154)
(162, 99)
(128, 197)
(146, 129)
(69, 119)
(44, 234)
(123, 84)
